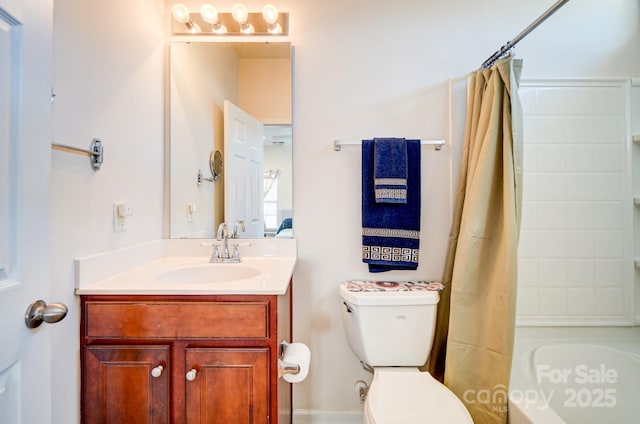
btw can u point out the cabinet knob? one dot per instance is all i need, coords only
(191, 375)
(157, 371)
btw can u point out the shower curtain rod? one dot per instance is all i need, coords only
(504, 49)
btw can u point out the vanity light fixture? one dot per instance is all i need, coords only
(181, 14)
(209, 14)
(239, 22)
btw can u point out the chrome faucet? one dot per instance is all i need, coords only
(223, 235)
(238, 224)
(225, 256)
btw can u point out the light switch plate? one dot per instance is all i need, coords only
(191, 209)
(119, 221)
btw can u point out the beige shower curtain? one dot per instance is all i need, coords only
(476, 314)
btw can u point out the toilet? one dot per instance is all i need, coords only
(390, 328)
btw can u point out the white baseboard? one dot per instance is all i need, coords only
(307, 416)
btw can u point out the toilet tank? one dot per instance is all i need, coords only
(389, 328)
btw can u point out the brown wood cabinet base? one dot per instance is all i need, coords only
(184, 359)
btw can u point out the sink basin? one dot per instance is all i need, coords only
(269, 272)
(208, 273)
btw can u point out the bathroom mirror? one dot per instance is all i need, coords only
(255, 77)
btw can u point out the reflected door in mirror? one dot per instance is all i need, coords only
(243, 151)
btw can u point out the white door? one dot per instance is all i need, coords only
(25, 168)
(243, 170)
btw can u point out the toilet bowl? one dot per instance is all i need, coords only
(405, 395)
(390, 327)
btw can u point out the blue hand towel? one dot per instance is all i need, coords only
(391, 231)
(390, 175)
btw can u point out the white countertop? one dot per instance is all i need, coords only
(138, 270)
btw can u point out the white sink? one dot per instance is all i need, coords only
(208, 273)
(181, 267)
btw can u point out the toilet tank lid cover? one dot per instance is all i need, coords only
(361, 292)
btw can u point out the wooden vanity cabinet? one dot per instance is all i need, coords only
(184, 359)
(125, 376)
(243, 372)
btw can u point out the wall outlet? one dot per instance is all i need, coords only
(120, 213)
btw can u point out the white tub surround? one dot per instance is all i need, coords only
(576, 246)
(147, 269)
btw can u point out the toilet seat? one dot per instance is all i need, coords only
(405, 395)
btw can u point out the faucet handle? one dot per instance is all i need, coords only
(215, 255)
(236, 252)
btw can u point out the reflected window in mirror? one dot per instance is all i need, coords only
(271, 222)
(278, 179)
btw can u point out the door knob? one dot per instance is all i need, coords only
(39, 312)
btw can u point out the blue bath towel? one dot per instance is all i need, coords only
(390, 170)
(391, 231)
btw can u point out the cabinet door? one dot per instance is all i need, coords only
(227, 386)
(125, 385)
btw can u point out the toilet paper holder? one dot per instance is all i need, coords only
(283, 366)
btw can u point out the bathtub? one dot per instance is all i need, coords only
(576, 380)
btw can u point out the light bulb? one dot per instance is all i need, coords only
(209, 14)
(270, 13)
(240, 13)
(180, 13)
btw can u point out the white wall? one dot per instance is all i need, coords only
(361, 69)
(108, 79)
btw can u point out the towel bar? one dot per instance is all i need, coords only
(95, 152)
(337, 144)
